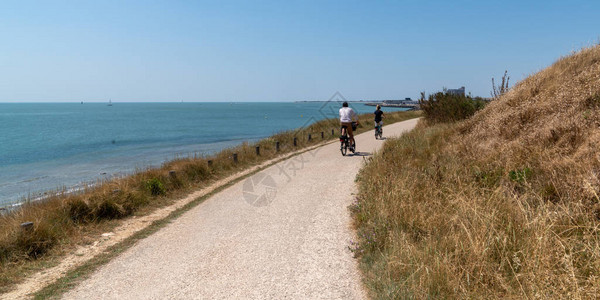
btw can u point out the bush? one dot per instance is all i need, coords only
(134, 200)
(37, 241)
(109, 209)
(78, 210)
(156, 187)
(444, 107)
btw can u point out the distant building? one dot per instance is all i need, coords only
(406, 100)
(392, 101)
(458, 92)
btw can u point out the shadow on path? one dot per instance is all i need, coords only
(362, 154)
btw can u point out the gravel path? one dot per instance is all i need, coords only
(282, 233)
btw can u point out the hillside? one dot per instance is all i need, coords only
(552, 114)
(502, 205)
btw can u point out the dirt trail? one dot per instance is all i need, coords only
(282, 233)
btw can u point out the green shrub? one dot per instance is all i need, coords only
(443, 107)
(156, 187)
(520, 176)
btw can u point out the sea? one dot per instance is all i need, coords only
(47, 147)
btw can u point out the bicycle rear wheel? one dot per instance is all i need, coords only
(344, 148)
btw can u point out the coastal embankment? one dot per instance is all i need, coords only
(64, 222)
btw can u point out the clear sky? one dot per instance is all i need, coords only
(55, 51)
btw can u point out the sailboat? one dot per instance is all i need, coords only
(109, 103)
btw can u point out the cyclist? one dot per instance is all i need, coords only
(378, 117)
(347, 115)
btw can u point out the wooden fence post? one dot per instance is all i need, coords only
(27, 225)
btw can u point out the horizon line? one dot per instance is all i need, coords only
(114, 102)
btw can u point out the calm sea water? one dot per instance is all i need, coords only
(53, 146)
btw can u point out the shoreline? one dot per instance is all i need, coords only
(122, 139)
(410, 106)
(13, 202)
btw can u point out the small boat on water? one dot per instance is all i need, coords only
(109, 102)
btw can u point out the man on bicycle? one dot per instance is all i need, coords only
(378, 116)
(347, 115)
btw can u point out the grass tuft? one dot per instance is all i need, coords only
(78, 210)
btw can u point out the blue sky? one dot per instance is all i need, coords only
(56, 51)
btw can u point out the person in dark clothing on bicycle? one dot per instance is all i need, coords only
(378, 116)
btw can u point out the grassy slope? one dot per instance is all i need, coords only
(64, 221)
(503, 205)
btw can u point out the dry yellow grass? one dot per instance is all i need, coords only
(503, 205)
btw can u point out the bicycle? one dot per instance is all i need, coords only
(378, 131)
(345, 141)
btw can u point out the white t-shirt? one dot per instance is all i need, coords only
(347, 114)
